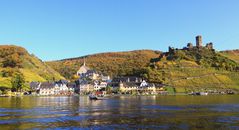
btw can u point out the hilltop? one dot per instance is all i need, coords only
(112, 63)
(15, 59)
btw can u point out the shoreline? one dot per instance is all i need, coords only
(115, 95)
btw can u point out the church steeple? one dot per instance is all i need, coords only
(84, 62)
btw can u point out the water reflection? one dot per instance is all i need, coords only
(149, 112)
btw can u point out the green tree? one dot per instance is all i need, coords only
(108, 89)
(67, 72)
(12, 61)
(18, 82)
(179, 55)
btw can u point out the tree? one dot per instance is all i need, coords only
(179, 55)
(17, 82)
(108, 89)
(12, 61)
(67, 72)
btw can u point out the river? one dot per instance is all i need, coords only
(122, 112)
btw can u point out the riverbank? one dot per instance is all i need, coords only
(115, 95)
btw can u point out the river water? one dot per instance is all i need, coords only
(123, 112)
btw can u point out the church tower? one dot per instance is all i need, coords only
(84, 62)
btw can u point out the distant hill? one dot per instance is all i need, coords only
(16, 59)
(112, 63)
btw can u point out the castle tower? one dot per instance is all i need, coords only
(209, 46)
(189, 45)
(199, 41)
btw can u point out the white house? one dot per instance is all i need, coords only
(47, 88)
(144, 84)
(99, 86)
(52, 88)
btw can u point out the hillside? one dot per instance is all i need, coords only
(194, 70)
(185, 70)
(15, 59)
(113, 63)
(231, 54)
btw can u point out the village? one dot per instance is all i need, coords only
(92, 81)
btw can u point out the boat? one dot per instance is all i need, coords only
(203, 93)
(199, 93)
(93, 97)
(97, 96)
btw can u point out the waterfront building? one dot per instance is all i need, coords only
(47, 88)
(72, 88)
(136, 84)
(99, 85)
(35, 87)
(61, 87)
(85, 86)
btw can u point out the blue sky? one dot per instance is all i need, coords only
(58, 29)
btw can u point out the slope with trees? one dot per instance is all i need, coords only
(113, 64)
(16, 60)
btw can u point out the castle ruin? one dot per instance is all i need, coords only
(209, 45)
(190, 46)
(199, 45)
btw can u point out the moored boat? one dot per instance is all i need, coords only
(97, 96)
(93, 97)
(199, 93)
(203, 93)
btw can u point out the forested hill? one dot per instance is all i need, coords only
(185, 70)
(112, 63)
(15, 59)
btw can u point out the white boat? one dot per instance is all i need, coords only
(204, 93)
(199, 93)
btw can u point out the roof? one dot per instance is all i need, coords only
(91, 71)
(83, 69)
(47, 85)
(34, 85)
(71, 85)
(127, 79)
(62, 82)
(82, 82)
